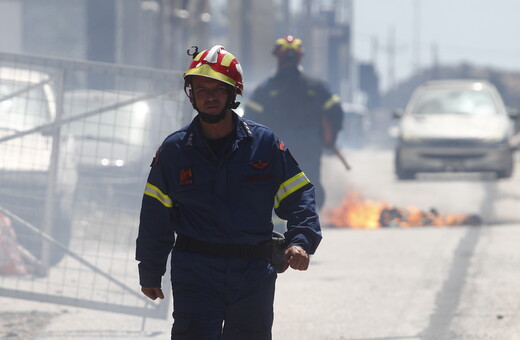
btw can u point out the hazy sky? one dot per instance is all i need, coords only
(482, 32)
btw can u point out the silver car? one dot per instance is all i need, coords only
(454, 125)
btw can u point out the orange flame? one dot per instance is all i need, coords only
(359, 213)
(356, 212)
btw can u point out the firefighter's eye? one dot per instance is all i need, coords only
(206, 93)
(221, 91)
(201, 92)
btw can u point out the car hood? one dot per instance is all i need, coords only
(455, 126)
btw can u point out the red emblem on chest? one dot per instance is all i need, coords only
(259, 165)
(185, 176)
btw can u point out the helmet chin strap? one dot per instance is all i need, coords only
(212, 119)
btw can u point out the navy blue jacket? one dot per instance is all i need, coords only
(228, 200)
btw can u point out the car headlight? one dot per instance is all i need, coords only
(408, 136)
(495, 138)
(112, 162)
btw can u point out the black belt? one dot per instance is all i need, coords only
(244, 251)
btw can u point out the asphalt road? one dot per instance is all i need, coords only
(428, 283)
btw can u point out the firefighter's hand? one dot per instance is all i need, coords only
(153, 293)
(297, 258)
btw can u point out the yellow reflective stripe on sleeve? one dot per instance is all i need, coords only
(155, 192)
(289, 186)
(333, 100)
(255, 106)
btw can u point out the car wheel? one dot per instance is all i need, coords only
(507, 172)
(401, 173)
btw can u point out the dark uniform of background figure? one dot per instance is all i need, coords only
(299, 109)
(208, 201)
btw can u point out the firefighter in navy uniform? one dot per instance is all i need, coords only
(299, 109)
(208, 200)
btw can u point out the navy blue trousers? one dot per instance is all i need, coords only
(217, 298)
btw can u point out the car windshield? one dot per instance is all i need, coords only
(124, 125)
(22, 106)
(466, 102)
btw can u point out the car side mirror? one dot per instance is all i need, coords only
(397, 113)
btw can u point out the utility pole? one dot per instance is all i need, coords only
(101, 38)
(252, 29)
(245, 41)
(197, 20)
(166, 35)
(307, 33)
(202, 18)
(435, 60)
(374, 51)
(349, 78)
(416, 29)
(391, 58)
(184, 23)
(287, 23)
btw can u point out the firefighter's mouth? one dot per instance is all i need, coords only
(212, 110)
(213, 105)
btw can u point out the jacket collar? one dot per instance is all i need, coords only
(195, 138)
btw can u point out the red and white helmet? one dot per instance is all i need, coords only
(219, 64)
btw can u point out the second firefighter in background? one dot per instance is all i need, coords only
(299, 108)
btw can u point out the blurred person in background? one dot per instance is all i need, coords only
(208, 201)
(299, 109)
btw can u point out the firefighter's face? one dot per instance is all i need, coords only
(210, 95)
(288, 59)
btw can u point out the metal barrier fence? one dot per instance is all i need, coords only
(76, 142)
